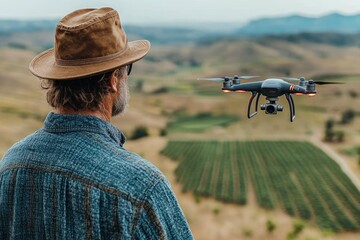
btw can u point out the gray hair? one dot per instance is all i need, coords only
(80, 94)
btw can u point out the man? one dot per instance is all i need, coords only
(73, 179)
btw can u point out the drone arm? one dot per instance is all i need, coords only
(247, 87)
(294, 89)
(290, 100)
(254, 93)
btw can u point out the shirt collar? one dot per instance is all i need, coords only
(55, 122)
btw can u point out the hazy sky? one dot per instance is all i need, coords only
(179, 11)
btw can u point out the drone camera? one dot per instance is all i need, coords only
(272, 108)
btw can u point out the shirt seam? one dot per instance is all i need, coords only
(149, 211)
(71, 129)
(65, 173)
(139, 204)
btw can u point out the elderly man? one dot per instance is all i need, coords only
(73, 179)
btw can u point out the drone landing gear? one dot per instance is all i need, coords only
(250, 115)
(290, 100)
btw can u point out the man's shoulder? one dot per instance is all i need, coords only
(16, 150)
(136, 172)
(102, 164)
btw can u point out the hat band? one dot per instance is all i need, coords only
(85, 61)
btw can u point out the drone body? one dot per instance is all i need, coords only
(272, 89)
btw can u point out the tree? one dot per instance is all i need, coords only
(329, 132)
(329, 124)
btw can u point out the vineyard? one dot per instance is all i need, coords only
(294, 176)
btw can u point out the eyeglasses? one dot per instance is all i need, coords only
(129, 67)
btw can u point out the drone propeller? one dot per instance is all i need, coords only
(221, 79)
(291, 79)
(310, 81)
(323, 82)
(212, 79)
(246, 77)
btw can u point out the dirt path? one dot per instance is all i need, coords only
(342, 163)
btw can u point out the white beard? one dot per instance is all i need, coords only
(123, 99)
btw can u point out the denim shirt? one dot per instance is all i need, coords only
(73, 179)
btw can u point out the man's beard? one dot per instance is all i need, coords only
(122, 101)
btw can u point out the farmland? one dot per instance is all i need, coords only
(171, 99)
(200, 122)
(294, 176)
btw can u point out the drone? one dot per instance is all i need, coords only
(272, 89)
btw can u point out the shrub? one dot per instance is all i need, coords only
(139, 85)
(340, 135)
(163, 132)
(197, 197)
(297, 229)
(353, 94)
(347, 116)
(270, 226)
(216, 211)
(247, 232)
(160, 90)
(140, 132)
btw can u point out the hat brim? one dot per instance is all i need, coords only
(44, 65)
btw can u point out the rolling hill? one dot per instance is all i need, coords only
(167, 76)
(335, 23)
(18, 32)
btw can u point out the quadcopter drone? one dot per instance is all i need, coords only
(272, 89)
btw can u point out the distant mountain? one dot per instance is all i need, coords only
(334, 23)
(333, 29)
(334, 39)
(11, 26)
(18, 32)
(167, 34)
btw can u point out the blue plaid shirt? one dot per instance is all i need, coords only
(74, 180)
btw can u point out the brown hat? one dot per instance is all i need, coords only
(88, 42)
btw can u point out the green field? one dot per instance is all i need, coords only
(294, 176)
(200, 122)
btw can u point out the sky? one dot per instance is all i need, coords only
(180, 11)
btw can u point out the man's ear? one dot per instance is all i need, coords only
(114, 82)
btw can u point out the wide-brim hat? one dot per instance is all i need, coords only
(88, 42)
